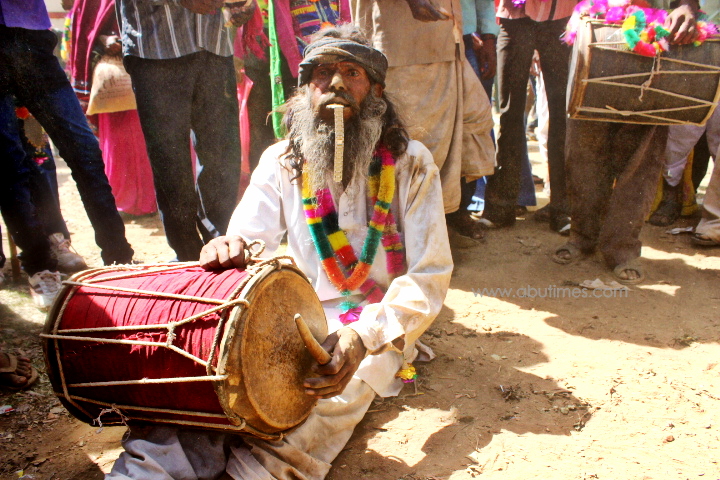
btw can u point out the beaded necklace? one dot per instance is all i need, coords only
(332, 244)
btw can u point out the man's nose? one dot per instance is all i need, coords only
(337, 82)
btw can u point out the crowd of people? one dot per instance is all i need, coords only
(414, 80)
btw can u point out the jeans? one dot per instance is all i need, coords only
(197, 93)
(517, 40)
(16, 204)
(30, 72)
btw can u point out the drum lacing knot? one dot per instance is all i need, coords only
(170, 333)
(254, 254)
(112, 409)
(655, 69)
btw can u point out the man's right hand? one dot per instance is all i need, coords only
(426, 11)
(202, 7)
(224, 252)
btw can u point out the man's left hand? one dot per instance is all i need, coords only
(347, 351)
(238, 13)
(681, 25)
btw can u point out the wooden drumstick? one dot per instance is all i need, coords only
(317, 352)
(339, 141)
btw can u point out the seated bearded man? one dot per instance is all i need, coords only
(374, 247)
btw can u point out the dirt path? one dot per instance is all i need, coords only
(530, 385)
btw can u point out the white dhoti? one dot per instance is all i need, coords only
(446, 109)
(175, 453)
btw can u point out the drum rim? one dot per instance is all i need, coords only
(229, 339)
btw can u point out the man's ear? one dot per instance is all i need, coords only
(378, 90)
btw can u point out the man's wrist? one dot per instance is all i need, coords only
(487, 36)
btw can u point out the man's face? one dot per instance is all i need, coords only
(345, 83)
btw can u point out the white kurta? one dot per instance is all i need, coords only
(272, 207)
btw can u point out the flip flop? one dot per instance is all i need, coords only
(631, 265)
(703, 240)
(573, 250)
(29, 380)
(13, 364)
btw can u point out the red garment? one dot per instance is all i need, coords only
(126, 162)
(89, 19)
(121, 140)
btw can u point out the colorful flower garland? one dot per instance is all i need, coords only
(332, 244)
(642, 26)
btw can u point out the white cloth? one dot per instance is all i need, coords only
(710, 223)
(176, 453)
(543, 114)
(682, 140)
(272, 207)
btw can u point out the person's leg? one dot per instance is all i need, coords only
(516, 44)
(707, 233)
(526, 196)
(554, 60)
(164, 90)
(216, 127)
(44, 191)
(170, 453)
(15, 200)
(308, 451)
(259, 105)
(589, 180)
(41, 85)
(471, 57)
(637, 152)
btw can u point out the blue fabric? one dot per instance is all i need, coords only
(30, 72)
(30, 14)
(486, 23)
(468, 16)
(15, 201)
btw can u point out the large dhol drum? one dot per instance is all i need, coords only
(612, 84)
(180, 345)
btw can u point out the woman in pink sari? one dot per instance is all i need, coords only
(93, 33)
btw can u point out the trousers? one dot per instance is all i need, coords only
(613, 171)
(195, 93)
(30, 72)
(517, 41)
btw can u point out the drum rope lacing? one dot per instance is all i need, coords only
(254, 265)
(645, 86)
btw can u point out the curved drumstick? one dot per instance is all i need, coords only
(317, 352)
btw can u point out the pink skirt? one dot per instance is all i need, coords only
(126, 162)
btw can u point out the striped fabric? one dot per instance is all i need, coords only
(312, 15)
(162, 29)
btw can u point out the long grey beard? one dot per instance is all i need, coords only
(316, 140)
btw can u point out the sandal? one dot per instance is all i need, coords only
(666, 214)
(6, 374)
(574, 254)
(703, 240)
(464, 224)
(560, 223)
(633, 265)
(543, 214)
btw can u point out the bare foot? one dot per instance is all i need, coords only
(20, 376)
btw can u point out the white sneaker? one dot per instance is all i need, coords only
(44, 287)
(68, 261)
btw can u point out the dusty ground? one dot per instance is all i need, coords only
(548, 388)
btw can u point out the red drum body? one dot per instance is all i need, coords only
(609, 83)
(177, 344)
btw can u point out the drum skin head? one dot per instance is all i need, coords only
(263, 354)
